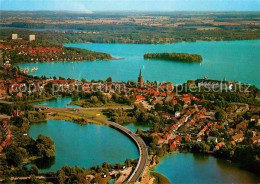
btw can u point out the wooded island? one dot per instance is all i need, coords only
(183, 57)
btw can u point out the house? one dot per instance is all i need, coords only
(7, 65)
(186, 100)
(16, 113)
(166, 136)
(254, 118)
(219, 145)
(166, 115)
(20, 94)
(3, 90)
(178, 138)
(242, 126)
(255, 140)
(139, 97)
(173, 146)
(238, 137)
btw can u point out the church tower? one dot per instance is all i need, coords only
(141, 80)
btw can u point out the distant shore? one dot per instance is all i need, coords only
(54, 61)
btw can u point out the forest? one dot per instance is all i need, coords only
(131, 27)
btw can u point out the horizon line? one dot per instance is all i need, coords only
(137, 10)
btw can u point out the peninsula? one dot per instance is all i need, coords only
(36, 50)
(183, 57)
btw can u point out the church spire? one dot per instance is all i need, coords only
(140, 75)
(140, 79)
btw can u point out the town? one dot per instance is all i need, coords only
(17, 50)
(133, 92)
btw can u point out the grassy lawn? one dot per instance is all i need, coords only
(82, 103)
(3, 116)
(95, 113)
(70, 117)
(101, 180)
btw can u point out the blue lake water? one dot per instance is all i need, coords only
(183, 168)
(56, 102)
(84, 146)
(235, 60)
(134, 126)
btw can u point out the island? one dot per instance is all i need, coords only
(183, 57)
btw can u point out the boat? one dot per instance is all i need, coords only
(34, 69)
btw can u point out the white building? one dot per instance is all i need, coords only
(177, 114)
(31, 37)
(14, 36)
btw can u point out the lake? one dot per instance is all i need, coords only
(83, 145)
(197, 168)
(56, 102)
(235, 60)
(133, 126)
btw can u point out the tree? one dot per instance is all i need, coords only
(94, 99)
(128, 162)
(61, 78)
(61, 176)
(248, 115)
(220, 115)
(177, 107)
(199, 147)
(83, 80)
(34, 170)
(109, 79)
(13, 155)
(119, 166)
(101, 80)
(20, 122)
(34, 180)
(46, 146)
(105, 165)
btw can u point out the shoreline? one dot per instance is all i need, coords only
(112, 59)
(153, 167)
(158, 43)
(76, 31)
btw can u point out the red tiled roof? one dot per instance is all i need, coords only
(140, 97)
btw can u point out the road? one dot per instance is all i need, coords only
(143, 153)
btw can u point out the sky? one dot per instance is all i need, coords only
(130, 5)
